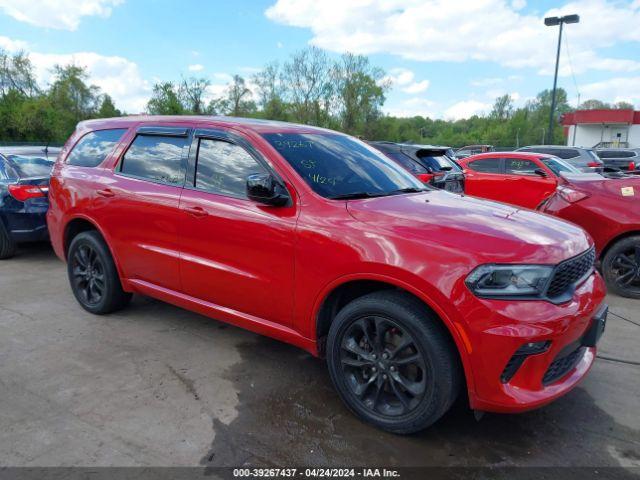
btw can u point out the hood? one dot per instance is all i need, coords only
(490, 231)
(626, 188)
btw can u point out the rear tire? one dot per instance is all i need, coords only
(7, 245)
(393, 362)
(93, 275)
(621, 267)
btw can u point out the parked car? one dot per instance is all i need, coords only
(584, 159)
(620, 158)
(24, 180)
(430, 164)
(605, 207)
(317, 239)
(469, 150)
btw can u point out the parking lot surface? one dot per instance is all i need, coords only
(157, 385)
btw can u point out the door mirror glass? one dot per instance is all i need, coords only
(540, 172)
(264, 188)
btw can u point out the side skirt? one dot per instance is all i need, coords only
(227, 315)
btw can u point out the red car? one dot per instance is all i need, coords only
(314, 238)
(607, 208)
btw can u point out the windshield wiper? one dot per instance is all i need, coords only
(407, 190)
(354, 195)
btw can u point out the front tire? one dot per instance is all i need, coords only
(621, 267)
(7, 245)
(93, 275)
(392, 362)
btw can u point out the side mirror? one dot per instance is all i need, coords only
(264, 188)
(540, 172)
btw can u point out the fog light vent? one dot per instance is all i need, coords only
(514, 363)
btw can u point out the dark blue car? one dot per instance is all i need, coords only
(24, 186)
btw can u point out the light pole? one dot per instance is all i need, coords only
(552, 22)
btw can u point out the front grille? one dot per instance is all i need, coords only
(569, 272)
(561, 366)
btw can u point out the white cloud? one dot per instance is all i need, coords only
(196, 67)
(116, 76)
(59, 14)
(614, 90)
(10, 45)
(485, 30)
(413, 107)
(416, 87)
(405, 79)
(466, 109)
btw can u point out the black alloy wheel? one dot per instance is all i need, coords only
(88, 274)
(93, 275)
(621, 267)
(383, 366)
(393, 362)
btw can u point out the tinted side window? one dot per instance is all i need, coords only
(405, 162)
(519, 166)
(486, 165)
(223, 168)
(565, 153)
(94, 147)
(156, 158)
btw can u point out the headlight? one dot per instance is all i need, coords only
(509, 280)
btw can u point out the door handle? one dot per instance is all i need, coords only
(196, 211)
(108, 193)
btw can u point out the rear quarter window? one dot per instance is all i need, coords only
(94, 147)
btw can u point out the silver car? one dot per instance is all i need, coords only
(583, 158)
(620, 158)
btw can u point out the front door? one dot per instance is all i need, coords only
(235, 253)
(525, 184)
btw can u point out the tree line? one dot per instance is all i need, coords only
(346, 93)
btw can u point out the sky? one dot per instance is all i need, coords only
(445, 58)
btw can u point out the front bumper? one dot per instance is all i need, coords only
(497, 329)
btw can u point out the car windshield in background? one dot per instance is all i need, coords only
(29, 166)
(559, 166)
(337, 166)
(436, 161)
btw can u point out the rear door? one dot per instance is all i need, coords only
(484, 178)
(138, 204)
(527, 188)
(236, 254)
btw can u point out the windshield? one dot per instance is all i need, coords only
(28, 166)
(559, 166)
(436, 161)
(336, 166)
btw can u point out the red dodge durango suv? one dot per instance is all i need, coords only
(314, 238)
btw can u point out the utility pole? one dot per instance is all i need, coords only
(550, 22)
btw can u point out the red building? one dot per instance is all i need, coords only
(602, 128)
